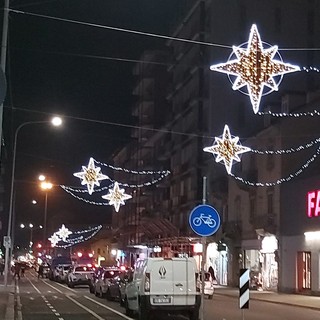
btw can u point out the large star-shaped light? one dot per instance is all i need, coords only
(116, 196)
(54, 239)
(227, 149)
(63, 233)
(255, 68)
(90, 176)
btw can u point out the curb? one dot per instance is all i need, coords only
(274, 302)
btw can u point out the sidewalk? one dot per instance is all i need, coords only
(7, 297)
(298, 300)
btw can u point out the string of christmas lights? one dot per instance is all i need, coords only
(287, 151)
(282, 180)
(292, 115)
(143, 172)
(64, 235)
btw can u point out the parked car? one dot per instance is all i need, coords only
(79, 275)
(103, 281)
(117, 285)
(63, 272)
(163, 285)
(208, 284)
(55, 262)
(95, 277)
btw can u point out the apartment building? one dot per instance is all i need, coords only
(201, 102)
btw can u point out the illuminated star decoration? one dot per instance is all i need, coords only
(116, 196)
(255, 68)
(54, 239)
(227, 149)
(63, 233)
(90, 175)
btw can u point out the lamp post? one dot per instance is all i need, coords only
(56, 121)
(46, 186)
(31, 227)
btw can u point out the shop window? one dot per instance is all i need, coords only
(303, 271)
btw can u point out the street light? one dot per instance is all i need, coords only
(56, 121)
(46, 186)
(31, 227)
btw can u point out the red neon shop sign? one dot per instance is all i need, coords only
(313, 204)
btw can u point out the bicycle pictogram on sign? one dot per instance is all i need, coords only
(204, 220)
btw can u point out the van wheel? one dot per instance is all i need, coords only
(108, 295)
(143, 313)
(194, 315)
(121, 300)
(210, 296)
(128, 311)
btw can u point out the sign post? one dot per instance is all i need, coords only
(204, 220)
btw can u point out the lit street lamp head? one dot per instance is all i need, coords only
(56, 121)
(46, 185)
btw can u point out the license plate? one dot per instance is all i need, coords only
(161, 300)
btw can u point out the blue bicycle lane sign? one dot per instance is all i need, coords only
(204, 220)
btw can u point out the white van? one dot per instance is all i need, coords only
(163, 285)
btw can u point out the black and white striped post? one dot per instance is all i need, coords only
(244, 289)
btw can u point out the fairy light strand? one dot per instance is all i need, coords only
(282, 180)
(73, 241)
(143, 172)
(292, 115)
(287, 151)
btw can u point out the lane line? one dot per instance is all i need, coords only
(85, 308)
(65, 287)
(53, 287)
(19, 305)
(108, 308)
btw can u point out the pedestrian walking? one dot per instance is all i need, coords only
(17, 269)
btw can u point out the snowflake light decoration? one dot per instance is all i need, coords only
(90, 175)
(63, 233)
(116, 196)
(255, 68)
(54, 239)
(227, 149)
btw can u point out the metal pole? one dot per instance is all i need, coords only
(11, 202)
(31, 232)
(6, 267)
(203, 242)
(45, 222)
(4, 54)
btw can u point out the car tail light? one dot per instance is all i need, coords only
(147, 282)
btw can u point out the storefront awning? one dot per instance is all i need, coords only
(160, 226)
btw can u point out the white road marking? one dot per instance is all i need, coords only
(108, 308)
(85, 308)
(66, 287)
(52, 287)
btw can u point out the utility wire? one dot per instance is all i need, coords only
(144, 33)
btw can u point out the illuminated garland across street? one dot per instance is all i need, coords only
(77, 237)
(282, 180)
(227, 149)
(116, 197)
(255, 68)
(314, 113)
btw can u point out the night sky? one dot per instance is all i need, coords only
(70, 69)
